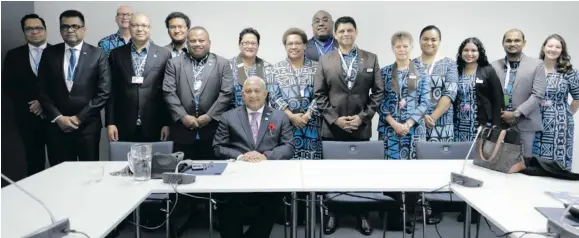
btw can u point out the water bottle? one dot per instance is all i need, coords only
(140, 158)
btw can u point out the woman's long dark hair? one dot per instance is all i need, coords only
(564, 60)
(482, 54)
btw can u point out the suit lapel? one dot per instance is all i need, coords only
(336, 60)
(209, 66)
(265, 120)
(501, 72)
(520, 70)
(84, 53)
(361, 66)
(59, 59)
(127, 58)
(151, 58)
(242, 114)
(187, 67)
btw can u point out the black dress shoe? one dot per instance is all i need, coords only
(331, 225)
(434, 218)
(364, 226)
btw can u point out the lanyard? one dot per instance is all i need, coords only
(295, 80)
(35, 61)
(508, 74)
(320, 47)
(431, 68)
(141, 60)
(348, 69)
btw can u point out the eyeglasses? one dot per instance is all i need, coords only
(29, 29)
(290, 44)
(144, 26)
(177, 27)
(124, 15)
(324, 20)
(246, 43)
(75, 27)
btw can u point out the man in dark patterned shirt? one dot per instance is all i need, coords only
(123, 35)
(177, 24)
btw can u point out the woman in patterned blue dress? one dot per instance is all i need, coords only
(443, 75)
(247, 64)
(406, 100)
(295, 77)
(555, 142)
(479, 99)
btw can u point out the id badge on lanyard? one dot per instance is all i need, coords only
(138, 78)
(348, 69)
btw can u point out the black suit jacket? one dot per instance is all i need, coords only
(20, 83)
(90, 90)
(126, 97)
(489, 96)
(275, 138)
(216, 95)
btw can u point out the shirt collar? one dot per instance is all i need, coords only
(324, 44)
(77, 47)
(120, 37)
(43, 46)
(249, 111)
(352, 52)
(145, 49)
(202, 60)
(184, 48)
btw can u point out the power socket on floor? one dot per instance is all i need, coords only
(177, 178)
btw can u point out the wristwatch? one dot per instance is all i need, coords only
(517, 114)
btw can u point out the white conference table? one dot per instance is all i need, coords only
(96, 208)
(66, 189)
(509, 200)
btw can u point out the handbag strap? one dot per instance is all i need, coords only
(498, 144)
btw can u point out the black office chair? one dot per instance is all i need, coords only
(118, 152)
(440, 151)
(368, 201)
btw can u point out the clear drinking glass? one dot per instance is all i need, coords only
(96, 173)
(140, 158)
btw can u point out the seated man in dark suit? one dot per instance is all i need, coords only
(252, 133)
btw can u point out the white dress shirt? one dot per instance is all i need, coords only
(34, 57)
(67, 57)
(249, 116)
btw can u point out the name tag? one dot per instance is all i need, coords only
(412, 76)
(137, 80)
(478, 80)
(197, 85)
(370, 70)
(303, 92)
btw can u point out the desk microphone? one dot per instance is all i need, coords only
(462, 179)
(55, 229)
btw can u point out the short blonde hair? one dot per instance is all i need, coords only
(402, 35)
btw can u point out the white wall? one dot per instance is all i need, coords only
(377, 21)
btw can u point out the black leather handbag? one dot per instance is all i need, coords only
(537, 166)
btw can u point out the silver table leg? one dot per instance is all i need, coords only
(312, 209)
(423, 217)
(403, 215)
(210, 215)
(467, 217)
(294, 215)
(308, 216)
(321, 202)
(137, 218)
(168, 224)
